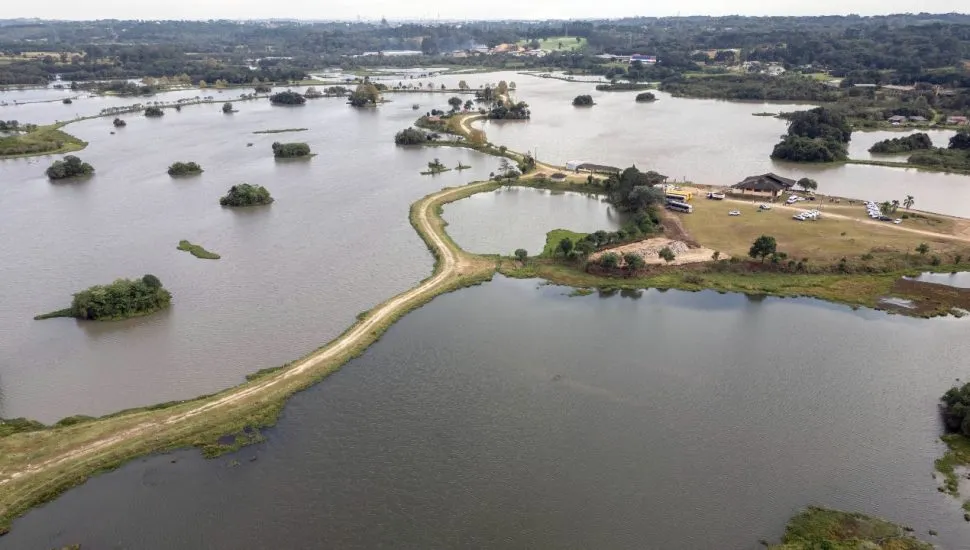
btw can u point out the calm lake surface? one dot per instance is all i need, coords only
(509, 415)
(292, 276)
(507, 219)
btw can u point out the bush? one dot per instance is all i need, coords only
(906, 144)
(67, 101)
(154, 112)
(118, 123)
(121, 299)
(184, 169)
(290, 150)
(646, 97)
(227, 108)
(70, 167)
(410, 136)
(245, 194)
(583, 101)
(955, 409)
(287, 98)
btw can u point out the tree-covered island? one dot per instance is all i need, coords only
(70, 167)
(121, 299)
(246, 194)
(290, 150)
(184, 169)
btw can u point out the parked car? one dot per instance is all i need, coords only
(765, 206)
(716, 196)
(734, 213)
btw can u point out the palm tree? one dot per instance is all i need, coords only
(908, 203)
(895, 205)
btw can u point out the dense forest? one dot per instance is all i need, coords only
(895, 49)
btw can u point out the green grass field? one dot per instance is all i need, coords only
(826, 239)
(45, 140)
(559, 43)
(553, 237)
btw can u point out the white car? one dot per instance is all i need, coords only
(765, 206)
(799, 217)
(734, 213)
(898, 221)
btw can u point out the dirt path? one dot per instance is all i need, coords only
(829, 214)
(452, 264)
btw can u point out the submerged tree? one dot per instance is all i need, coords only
(70, 167)
(245, 194)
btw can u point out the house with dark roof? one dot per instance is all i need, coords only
(766, 183)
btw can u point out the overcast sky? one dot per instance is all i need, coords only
(451, 9)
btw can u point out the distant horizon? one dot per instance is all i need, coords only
(438, 10)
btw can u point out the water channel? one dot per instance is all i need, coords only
(510, 415)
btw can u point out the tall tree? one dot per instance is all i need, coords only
(763, 247)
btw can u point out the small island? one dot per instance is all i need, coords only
(197, 251)
(366, 95)
(914, 142)
(70, 167)
(287, 98)
(154, 112)
(817, 528)
(227, 108)
(411, 136)
(583, 101)
(646, 97)
(290, 150)
(184, 169)
(245, 194)
(118, 123)
(435, 167)
(816, 135)
(281, 131)
(122, 299)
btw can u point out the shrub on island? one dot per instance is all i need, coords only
(70, 167)
(287, 98)
(290, 150)
(227, 108)
(118, 123)
(245, 194)
(121, 299)
(646, 97)
(154, 112)
(583, 101)
(956, 409)
(184, 169)
(410, 136)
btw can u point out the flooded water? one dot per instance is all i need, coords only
(292, 275)
(706, 141)
(507, 219)
(510, 415)
(959, 280)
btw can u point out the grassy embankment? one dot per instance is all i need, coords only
(817, 528)
(197, 251)
(45, 140)
(36, 465)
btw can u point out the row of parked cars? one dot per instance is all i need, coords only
(809, 215)
(876, 214)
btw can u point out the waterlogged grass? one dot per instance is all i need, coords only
(818, 528)
(197, 251)
(956, 456)
(281, 131)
